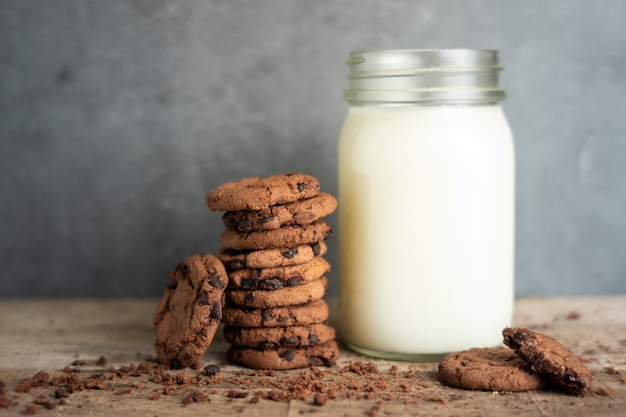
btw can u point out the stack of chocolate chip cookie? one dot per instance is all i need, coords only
(273, 249)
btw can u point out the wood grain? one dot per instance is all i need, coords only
(51, 335)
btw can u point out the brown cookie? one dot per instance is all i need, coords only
(303, 314)
(286, 357)
(269, 258)
(550, 359)
(286, 236)
(298, 212)
(190, 310)
(281, 297)
(278, 277)
(274, 337)
(489, 369)
(260, 193)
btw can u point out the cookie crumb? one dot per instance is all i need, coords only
(45, 403)
(96, 381)
(361, 368)
(375, 409)
(30, 410)
(102, 360)
(195, 397)
(573, 315)
(320, 399)
(605, 392)
(236, 394)
(39, 379)
(5, 402)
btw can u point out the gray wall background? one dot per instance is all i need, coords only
(116, 117)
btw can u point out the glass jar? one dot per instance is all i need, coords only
(426, 204)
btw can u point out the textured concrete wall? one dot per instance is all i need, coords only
(117, 117)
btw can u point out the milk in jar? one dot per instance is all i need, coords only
(426, 204)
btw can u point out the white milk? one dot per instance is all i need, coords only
(426, 228)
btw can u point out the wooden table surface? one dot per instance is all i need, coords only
(69, 336)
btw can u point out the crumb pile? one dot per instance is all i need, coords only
(272, 248)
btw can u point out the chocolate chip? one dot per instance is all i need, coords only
(265, 345)
(215, 281)
(292, 282)
(301, 186)
(175, 364)
(244, 224)
(266, 316)
(282, 319)
(264, 220)
(216, 312)
(203, 332)
(290, 253)
(328, 234)
(313, 339)
(211, 370)
(171, 283)
(248, 298)
(289, 340)
(271, 284)
(317, 249)
(250, 284)
(289, 355)
(236, 264)
(183, 267)
(61, 392)
(203, 298)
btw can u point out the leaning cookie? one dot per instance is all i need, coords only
(190, 311)
(278, 277)
(285, 358)
(281, 297)
(270, 258)
(275, 337)
(550, 359)
(286, 236)
(298, 212)
(260, 193)
(293, 315)
(488, 369)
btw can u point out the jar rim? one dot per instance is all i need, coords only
(424, 75)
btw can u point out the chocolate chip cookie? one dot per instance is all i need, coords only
(260, 193)
(281, 297)
(489, 369)
(269, 258)
(278, 277)
(298, 212)
(286, 236)
(550, 359)
(285, 357)
(190, 310)
(296, 315)
(275, 337)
